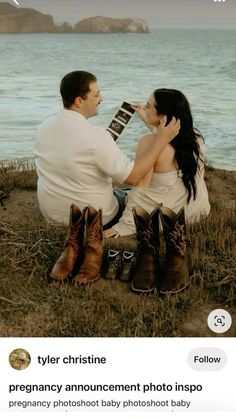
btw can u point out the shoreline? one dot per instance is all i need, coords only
(28, 162)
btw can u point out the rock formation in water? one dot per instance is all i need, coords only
(99, 24)
(64, 28)
(24, 20)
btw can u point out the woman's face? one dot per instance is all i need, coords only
(153, 118)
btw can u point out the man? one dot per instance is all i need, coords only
(76, 161)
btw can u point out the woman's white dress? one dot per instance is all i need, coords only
(166, 189)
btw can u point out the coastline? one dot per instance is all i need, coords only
(27, 163)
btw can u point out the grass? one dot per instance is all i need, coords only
(29, 247)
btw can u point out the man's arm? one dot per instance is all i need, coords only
(142, 148)
(143, 164)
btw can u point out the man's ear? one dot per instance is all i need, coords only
(78, 101)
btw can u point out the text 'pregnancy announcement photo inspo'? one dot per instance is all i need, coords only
(58, 376)
(117, 170)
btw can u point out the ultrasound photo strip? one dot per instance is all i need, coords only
(116, 126)
(127, 107)
(120, 120)
(115, 129)
(114, 136)
(123, 116)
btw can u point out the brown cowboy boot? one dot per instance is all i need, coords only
(69, 261)
(90, 269)
(147, 262)
(177, 275)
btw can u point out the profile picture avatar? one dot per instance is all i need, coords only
(19, 359)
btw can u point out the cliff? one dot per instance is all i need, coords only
(99, 24)
(24, 20)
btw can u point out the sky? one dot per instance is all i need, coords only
(158, 13)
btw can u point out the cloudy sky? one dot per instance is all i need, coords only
(158, 13)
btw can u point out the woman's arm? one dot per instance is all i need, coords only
(141, 149)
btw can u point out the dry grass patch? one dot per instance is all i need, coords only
(29, 248)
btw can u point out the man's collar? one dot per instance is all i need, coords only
(73, 114)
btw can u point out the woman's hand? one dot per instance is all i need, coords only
(168, 132)
(111, 232)
(140, 109)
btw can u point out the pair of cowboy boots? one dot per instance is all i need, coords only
(178, 261)
(82, 255)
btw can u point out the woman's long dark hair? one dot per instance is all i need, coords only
(172, 102)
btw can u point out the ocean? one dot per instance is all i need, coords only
(200, 63)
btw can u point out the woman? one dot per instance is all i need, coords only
(177, 178)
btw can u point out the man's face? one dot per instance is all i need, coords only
(89, 106)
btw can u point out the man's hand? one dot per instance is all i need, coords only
(110, 232)
(145, 163)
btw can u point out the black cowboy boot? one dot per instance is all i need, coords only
(147, 262)
(179, 265)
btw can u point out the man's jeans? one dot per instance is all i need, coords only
(121, 195)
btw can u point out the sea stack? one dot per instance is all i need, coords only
(100, 24)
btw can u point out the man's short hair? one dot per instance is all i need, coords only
(75, 84)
